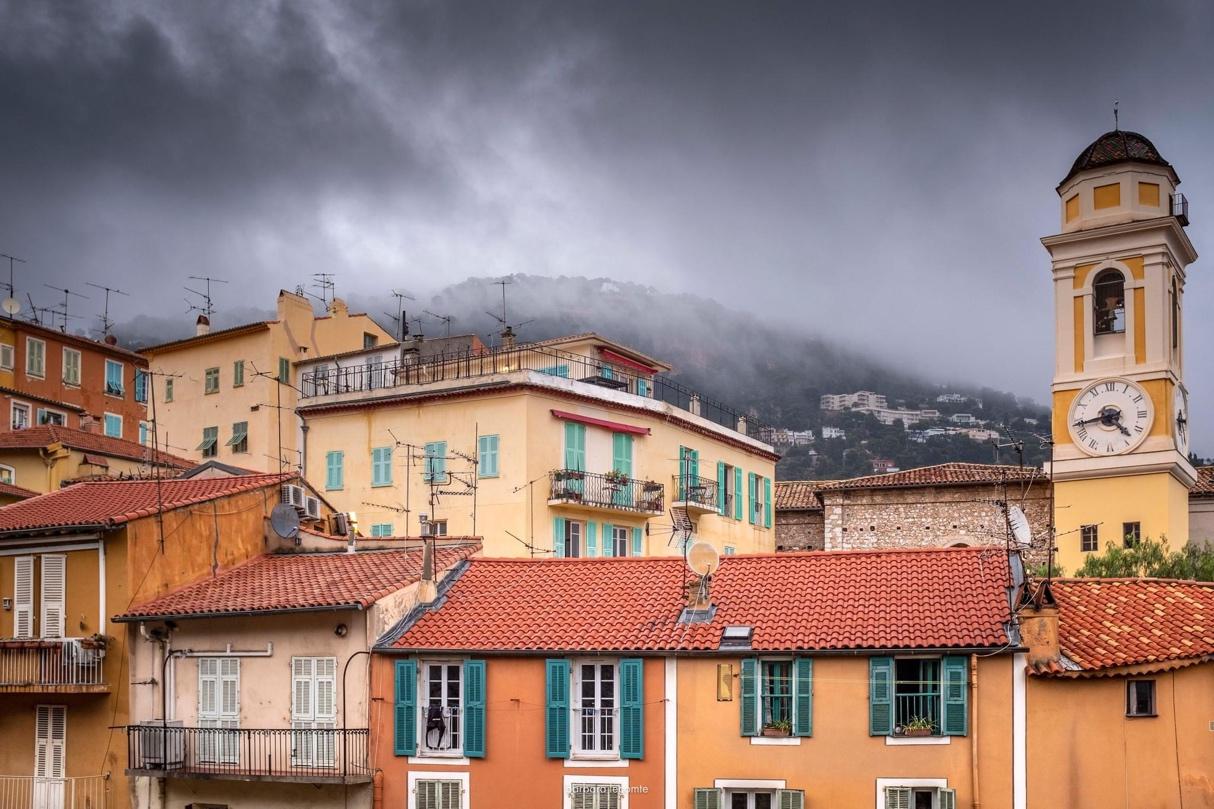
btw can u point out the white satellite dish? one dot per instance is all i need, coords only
(11, 306)
(1021, 529)
(703, 558)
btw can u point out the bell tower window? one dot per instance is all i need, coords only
(1108, 302)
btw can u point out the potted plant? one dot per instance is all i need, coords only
(616, 478)
(918, 726)
(94, 641)
(779, 729)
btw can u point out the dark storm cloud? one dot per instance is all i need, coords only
(877, 172)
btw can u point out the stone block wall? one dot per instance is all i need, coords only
(800, 531)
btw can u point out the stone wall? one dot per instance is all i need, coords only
(800, 531)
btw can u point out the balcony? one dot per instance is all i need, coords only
(30, 792)
(305, 755)
(52, 666)
(695, 494)
(605, 492)
(1180, 208)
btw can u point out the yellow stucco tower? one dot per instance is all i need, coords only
(1120, 408)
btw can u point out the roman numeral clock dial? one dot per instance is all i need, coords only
(1110, 417)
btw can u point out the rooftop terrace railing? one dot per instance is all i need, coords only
(43, 662)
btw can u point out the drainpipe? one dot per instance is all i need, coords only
(377, 790)
(974, 729)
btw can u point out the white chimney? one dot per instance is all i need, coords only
(203, 326)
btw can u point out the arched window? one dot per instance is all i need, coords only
(1175, 315)
(1108, 302)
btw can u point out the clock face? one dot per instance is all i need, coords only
(1180, 424)
(1110, 417)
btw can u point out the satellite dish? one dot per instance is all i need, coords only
(1020, 526)
(11, 306)
(284, 519)
(703, 558)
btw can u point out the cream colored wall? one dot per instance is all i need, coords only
(1201, 520)
(32, 471)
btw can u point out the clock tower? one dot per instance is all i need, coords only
(1120, 408)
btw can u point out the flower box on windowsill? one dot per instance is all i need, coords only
(917, 732)
(776, 732)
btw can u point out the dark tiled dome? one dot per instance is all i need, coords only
(1118, 146)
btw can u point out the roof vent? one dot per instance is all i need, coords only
(736, 637)
(694, 615)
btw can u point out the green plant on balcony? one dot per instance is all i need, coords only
(779, 728)
(616, 478)
(918, 726)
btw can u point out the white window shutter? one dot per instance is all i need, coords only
(897, 798)
(50, 738)
(54, 569)
(301, 689)
(948, 798)
(23, 597)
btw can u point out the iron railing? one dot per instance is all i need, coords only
(34, 792)
(695, 490)
(50, 662)
(409, 371)
(922, 705)
(440, 734)
(302, 754)
(606, 491)
(1180, 208)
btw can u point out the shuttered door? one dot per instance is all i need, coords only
(23, 597)
(50, 738)
(313, 710)
(54, 568)
(219, 709)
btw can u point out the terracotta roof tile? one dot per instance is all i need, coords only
(45, 435)
(215, 334)
(1205, 482)
(300, 581)
(9, 490)
(1109, 623)
(113, 502)
(945, 474)
(799, 495)
(837, 600)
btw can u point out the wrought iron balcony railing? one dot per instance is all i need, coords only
(695, 491)
(1180, 208)
(30, 664)
(35, 792)
(607, 491)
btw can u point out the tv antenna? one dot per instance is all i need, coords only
(208, 308)
(36, 312)
(1116, 117)
(67, 293)
(11, 305)
(507, 327)
(325, 283)
(398, 318)
(106, 323)
(444, 319)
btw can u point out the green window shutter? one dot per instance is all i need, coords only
(708, 798)
(381, 466)
(749, 703)
(591, 542)
(608, 539)
(880, 696)
(575, 446)
(750, 497)
(790, 799)
(487, 455)
(404, 731)
(440, 461)
(695, 463)
(632, 708)
(803, 697)
(621, 453)
(636, 541)
(237, 373)
(474, 708)
(767, 502)
(721, 487)
(954, 675)
(334, 473)
(284, 370)
(558, 537)
(737, 493)
(556, 724)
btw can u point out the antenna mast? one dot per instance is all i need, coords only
(207, 309)
(325, 283)
(399, 319)
(106, 323)
(64, 313)
(444, 319)
(14, 307)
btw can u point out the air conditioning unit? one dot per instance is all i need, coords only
(161, 744)
(294, 495)
(341, 526)
(312, 506)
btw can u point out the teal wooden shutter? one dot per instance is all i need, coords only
(575, 446)
(404, 731)
(738, 499)
(591, 539)
(608, 539)
(790, 799)
(334, 473)
(486, 452)
(558, 537)
(708, 798)
(767, 502)
(750, 497)
(636, 541)
(381, 466)
(749, 703)
(474, 708)
(880, 696)
(439, 468)
(721, 487)
(954, 674)
(632, 708)
(803, 697)
(621, 453)
(556, 723)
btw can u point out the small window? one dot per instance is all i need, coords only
(20, 416)
(1140, 698)
(7, 475)
(1089, 538)
(728, 485)
(7, 353)
(334, 470)
(35, 357)
(730, 550)
(438, 528)
(775, 694)
(441, 699)
(917, 693)
(71, 367)
(238, 373)
(919, 798)
(370, 340)
(113, 425)
(438, 794)
(487, 449)
(113, 378)
(596, 795)
(211, 381)
(239, 442)
(168, 390)
(435, 467)
(141, 385)
(619, 540)
(596, 697)
(381, 466)
(210, 440)
(1175, 315)
(284, 370)
(1108, 302)
(382, 529)
(144, 433)
(573, 538)
(1131, 533)
(54, 417)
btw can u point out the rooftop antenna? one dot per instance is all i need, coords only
(508, 328)
(1116, 118)
(399, 319)
(106, 323)
(10, 304)
(325, 283)
(34, 310)
(67, 293)
(444, 319)
(208, 307)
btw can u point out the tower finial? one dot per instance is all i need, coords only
(1116, 118)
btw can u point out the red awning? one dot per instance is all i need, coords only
(620, 359)
(614, 426)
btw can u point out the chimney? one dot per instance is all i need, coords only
(88, 423)
(111, 340)
(202, 326)
(338, 308)
(427, 589)
(1039, 628)
(508, 340)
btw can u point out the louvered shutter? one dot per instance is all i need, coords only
(632, 708)
(721, 487)
(325, 712)
(575, 446)
(50, 738)
(767, 502)
(708, 798)
(803, 697)
(556, 724)
(381, 466)
(334, 473)
(23, 597)
(750, 497)
(54, 569)
(948, 798)
(738, 498)
(621, 453)
(608, 539)
(749, 701)
(880, 696)
(636, 541)
(591, 538)
(558, 537)
(955, 684)
(474, 708)
(208, 711)
(790, 799)
(897, 798)
(404, 731)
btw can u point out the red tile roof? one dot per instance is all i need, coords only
(9, 490)
(892, 599)
(799, 495)
(945, 474)
(210, 336)
(38, 437)
(300, 581)
(1110, 623)
(112, 502)
(20, 394)
(1205, 482)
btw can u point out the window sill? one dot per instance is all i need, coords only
(381, 485)
(775, 741)
(910, 741)
(441, 760)
(587, 763)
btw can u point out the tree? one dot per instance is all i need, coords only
(1149, 558)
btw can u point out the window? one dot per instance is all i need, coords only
(435, 468)
(46, 416)
(598, 794)
(113, 378)
(1140, 698)
(439, 714)
(113, 425)
(141, 385)
(71, 366)
(168, 390)
(917, 693)
(1175, 316)
(23, 597)
(748, 798)
(912, 696)
(144, 433)
(54, 594)
(284, 370)
(906, 797)
(487, 455)
(725, 488)
(35, 357)
(730, 550)
(382, 529)
(642, 387)
(1131, 533)
(210, 440)
(381, 466)
(775, 693)
(1108, 302)
(776, 697)
(239, 442)
(210, 381)
(238, 373)
(594, 708)
(438, 528)
(313, 711)
(437, 794)
(219, 709)
(7, 475)
(619, 540)
(1089, 538)
(571, 546)
(7, 354)
(556, 370)
(370, 340)
(20, 416)
(50, 738)
(334, 472)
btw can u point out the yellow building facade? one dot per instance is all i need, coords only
(561, 448)
(1120, 407)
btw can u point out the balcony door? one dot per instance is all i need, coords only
(218, 710)
(313, 711)
(50, 736)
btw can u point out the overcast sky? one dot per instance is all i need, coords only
(881, 172)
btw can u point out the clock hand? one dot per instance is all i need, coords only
(1088, 421)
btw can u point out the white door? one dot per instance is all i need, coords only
(50, 734)
(54, 570)
(219, 709)
(23, 597)
(313, 711)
